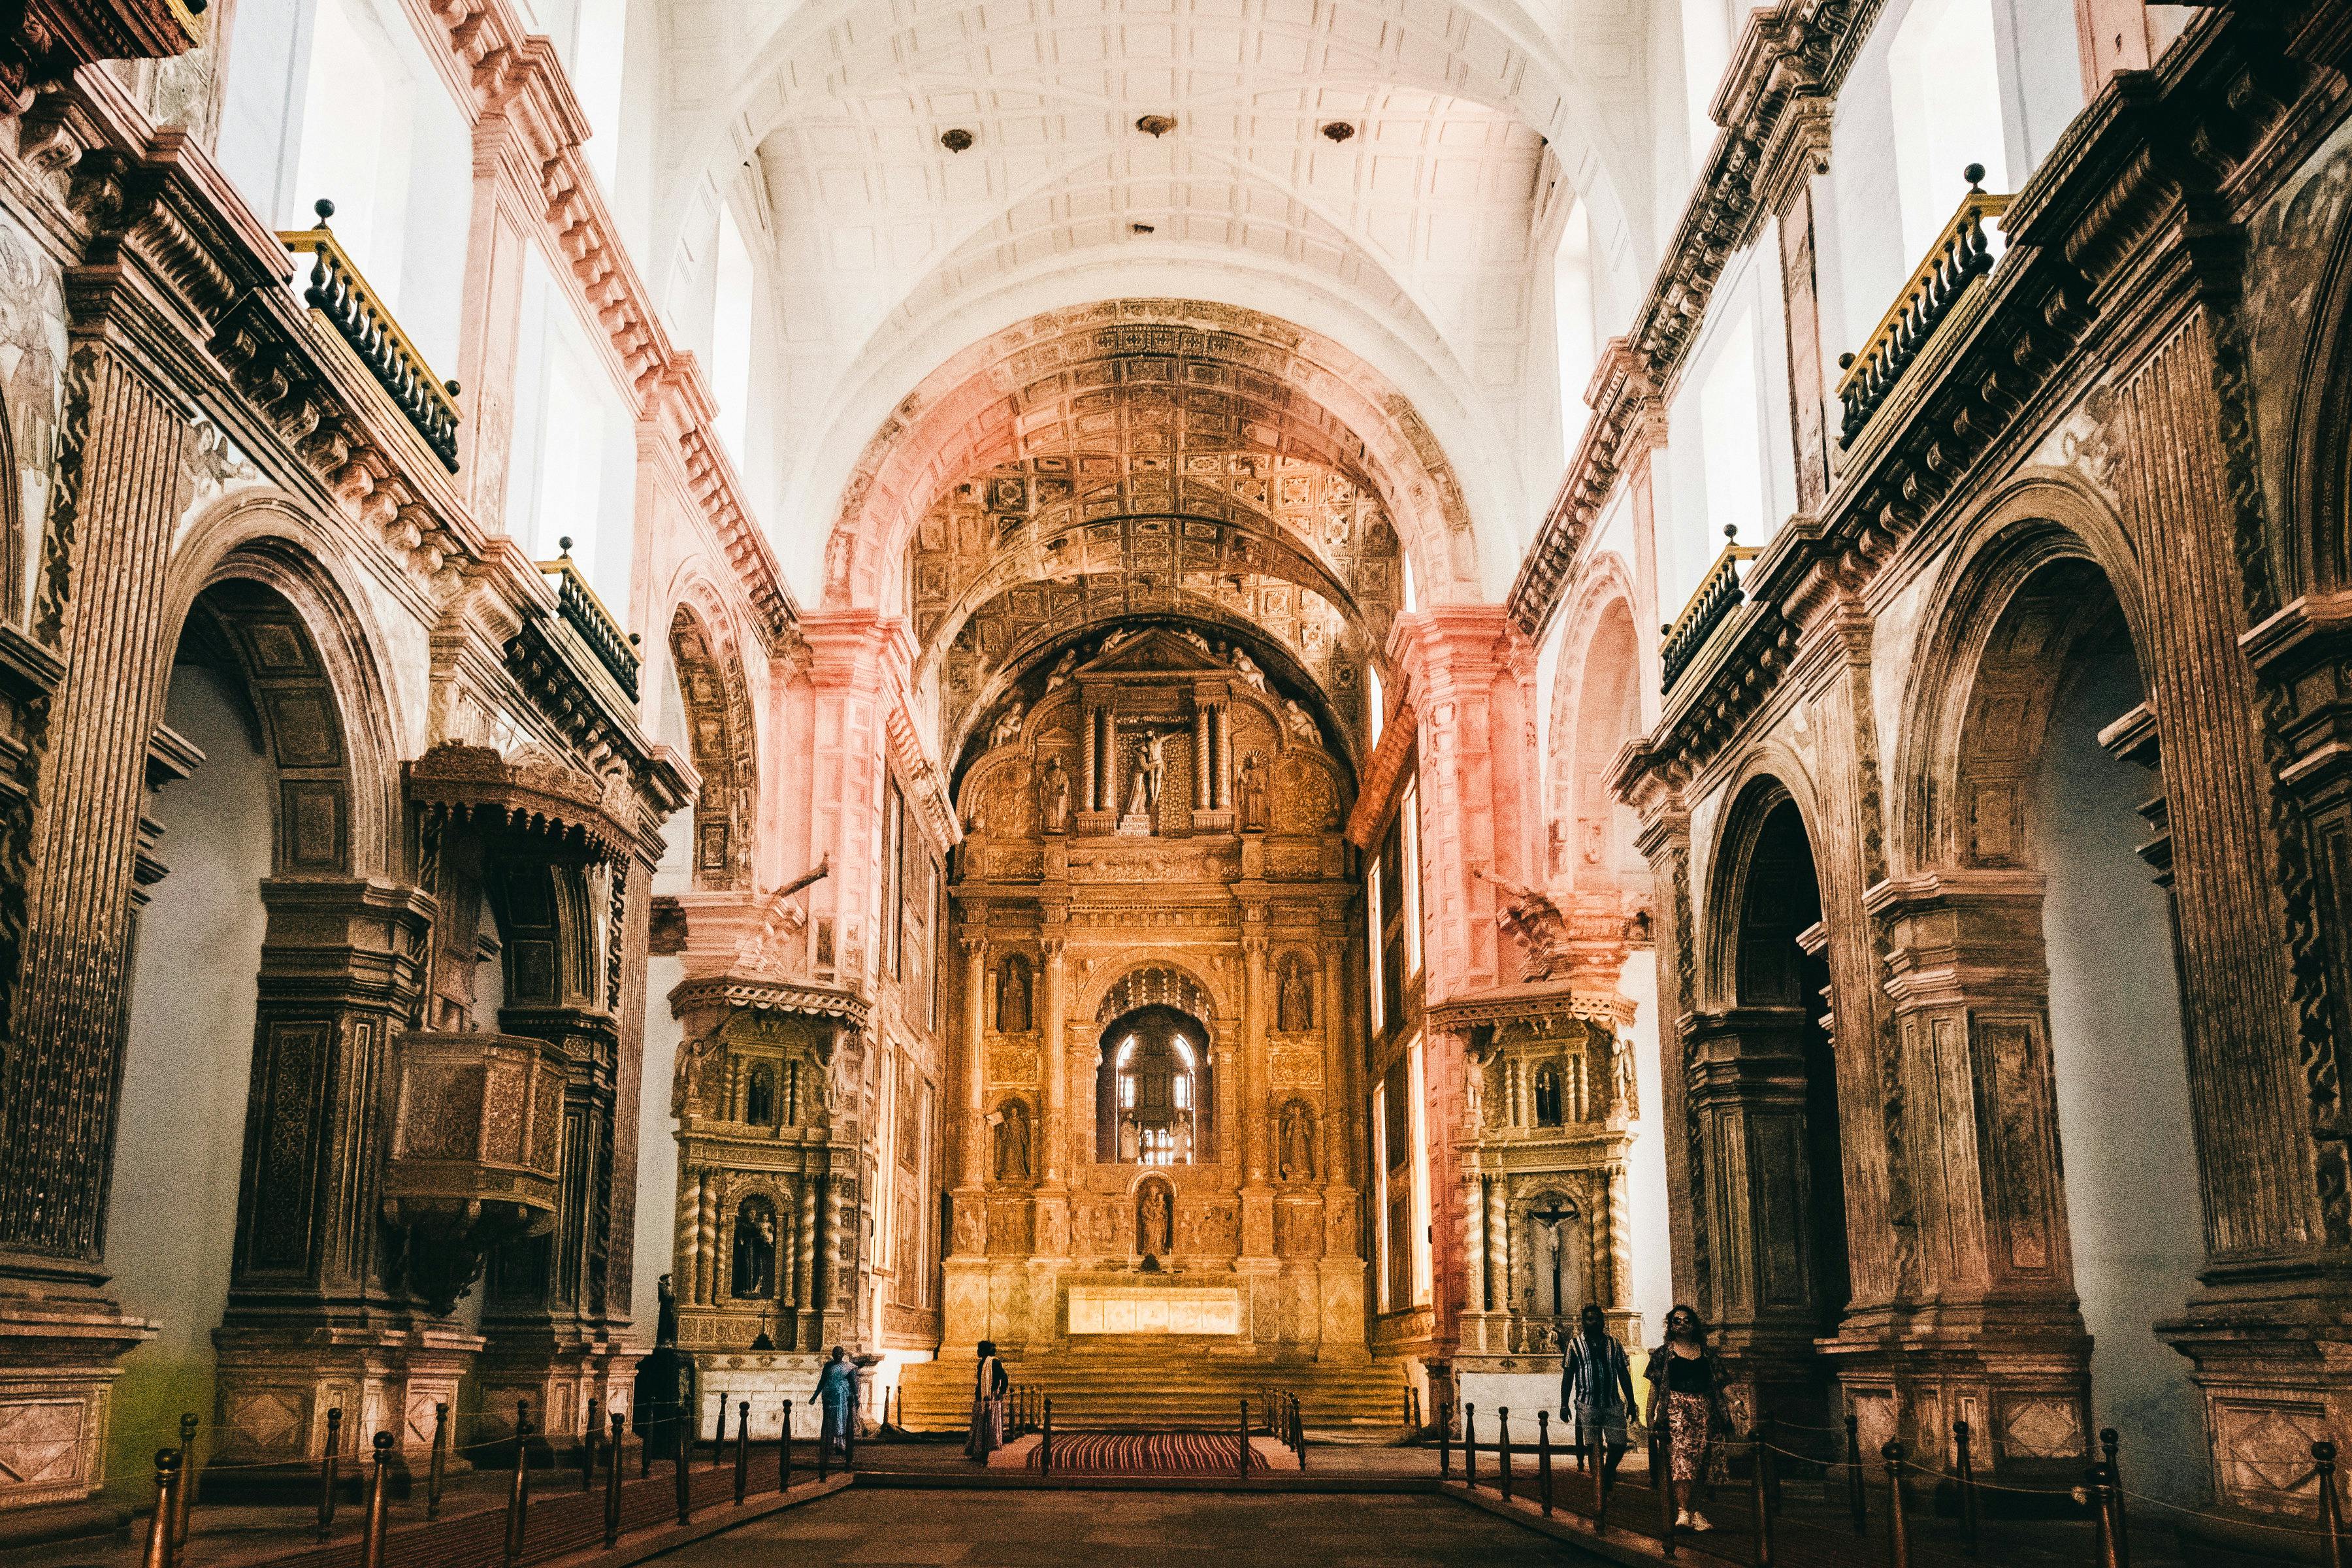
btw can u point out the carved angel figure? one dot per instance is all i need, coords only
(1008, 727)
(1246, 668)
(1299, 722)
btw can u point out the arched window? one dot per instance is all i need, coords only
(1548, 1096)
(1152, 1091)
(760, 1096)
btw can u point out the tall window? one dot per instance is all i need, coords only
(730, 335)
(1947, 111)
(894, 848)
(1572, 308)
(1153, 1104)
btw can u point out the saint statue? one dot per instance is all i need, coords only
(1013, 995)
(1155, 1219)
(1139, 785)
(666, 1312)
(1126, 1140)
(755, 1249)
(1053, 797)
(1184, 1142)
(1254, 793)
(1298, 721)
(1008, 727)
(1298, 1143)
(1295, 1005)
(1012, 1143)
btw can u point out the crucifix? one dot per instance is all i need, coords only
(1551, 1218)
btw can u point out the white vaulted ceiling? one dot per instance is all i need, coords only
(1420, 241)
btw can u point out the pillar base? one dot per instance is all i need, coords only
(2272, 1360)
(2019, 1375)
(557, 1372)
(275, 1384)
(59, 1359)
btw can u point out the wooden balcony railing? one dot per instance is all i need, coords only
(1719, 595)
(1962, 254)
(584, 613)
(339, 293)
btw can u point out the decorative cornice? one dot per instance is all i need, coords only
(805, 1001)
(533, 792)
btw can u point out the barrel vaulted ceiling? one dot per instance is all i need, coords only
(1417, 237)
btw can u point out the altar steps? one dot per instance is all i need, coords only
(1172, 1382)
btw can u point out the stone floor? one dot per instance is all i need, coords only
(885, 1528)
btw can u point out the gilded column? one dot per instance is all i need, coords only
(1224, 726)
(831, 1270)
(805, 1271)
(1201, 797)
(1055, 1133)
(1253, 1075)
(1338, 1065)
(1089, 764)
(1498, 1243)
(975, 1060)
(1474, 1229)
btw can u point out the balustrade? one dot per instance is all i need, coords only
(614, 648)
(1719, 595)
(338, 292)
(1961, 254)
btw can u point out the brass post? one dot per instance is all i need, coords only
(326, 1465)
(743, 1450)
(1298, 1434)
(785, 1451)
(2331, 1512)
(682, 1439)
(379, 1503)
(1854, 1499)
(519, 1488)
(159, 1528)
(2109, 1441)
(1966, 1484)
(1898, 1530)
(589, 1432)
(1543, 1458)
(823, 1451)
(719, 1434)
(186, 1498)
(1661, 1479)
(1445, 1441)
(439, 1461)
(1045, 1444)
(1503, 1450)
(1596, 1451)
(1470, 1445)
(1241, 1450)
(1755, 1462)
(612, 1484)
(2095, 1495)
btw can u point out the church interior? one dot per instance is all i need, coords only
(1210, 695)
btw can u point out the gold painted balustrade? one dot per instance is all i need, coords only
(1961, 255)
(341, 293)
(585, 612)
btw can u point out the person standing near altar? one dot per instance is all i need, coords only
(988, 1388)
(836, 1391)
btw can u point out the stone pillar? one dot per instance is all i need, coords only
(1054, 1136)
(1202, 771)
(804, 1236)
(1473, 1233)
(1499, 1245)
(971, 1238)
(1339, 1064)
(1223, 728)
(1090, 760)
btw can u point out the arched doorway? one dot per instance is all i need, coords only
(1154, 1103)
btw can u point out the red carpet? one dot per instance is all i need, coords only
(1147, 1453)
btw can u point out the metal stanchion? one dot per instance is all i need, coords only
(613, 1483)
(2331, 1512)
(743, 1450)
(824, 1449)
(589, 1432)
(682, 1439)
(1757, 1499)
(719, 1434)
(1898, 1527)
(1502, 1449)
(1298, 1432)
(785, 1451)
(1543, 1460)
(1241, 1454)
(1470, 1445)
(1662, 1479)
(518, 1490)
(439, 1462)
(1045, 1442)
(849, 1433)
(2109, 1441)
(328, 1464)
(1597, 1472)
(379, 1503)
(1445, 1441)
(645, 1447)
(186, 1496)
(2093, 1493)
(1856, 1502)
(167, 1490)
(1966, 1485)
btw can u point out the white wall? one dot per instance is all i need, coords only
(572, 472)
(1649, 1253)
(171, 1207)
(2122, 1085)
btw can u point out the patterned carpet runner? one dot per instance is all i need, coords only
(1147, 1453)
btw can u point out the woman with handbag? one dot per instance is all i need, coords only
(1686, 1385)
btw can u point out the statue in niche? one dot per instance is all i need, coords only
(1008, 727)
(1059, 676)
(1254, 793)
(1128, 1138)
(1184, 1142)
(760, 1096)
(1246, 668)
(755, 1249)
(1013, 995)
(1155, 1220)
(1294, 1004)
(686, 1084)
(665, 1312)
(1053, 797)
(1298, 1143)
(1139, 783)
(1299, 722)
(1012, 1141)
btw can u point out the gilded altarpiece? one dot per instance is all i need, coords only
(1152, 908)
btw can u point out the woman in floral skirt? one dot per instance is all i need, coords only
(1686, 1386)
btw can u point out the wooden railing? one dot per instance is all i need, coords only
(584, 613)
(1719, 595)
(1961, 254)
(358, 313)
